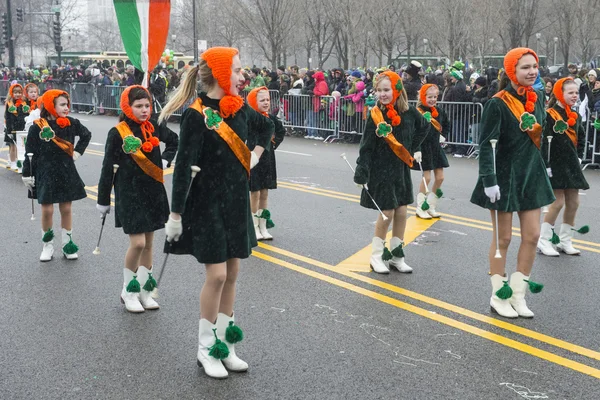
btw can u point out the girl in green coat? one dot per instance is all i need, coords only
(213, 223)
(562, 148)
(389, 146)
(141, 204)
(15, 112)
(514, 179)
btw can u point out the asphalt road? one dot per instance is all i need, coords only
(318, 324)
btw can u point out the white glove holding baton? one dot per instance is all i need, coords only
(173, 229)
(29, 181)
(493, 193)
(549, 171)
(418, 156)
(103, 210)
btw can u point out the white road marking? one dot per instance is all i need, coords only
(96, 144)
(293, 152)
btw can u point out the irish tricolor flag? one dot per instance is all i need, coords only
(144, 26)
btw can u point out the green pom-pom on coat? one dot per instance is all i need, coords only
(398, 251)
(555, 239)
(150, 283)
(583, 230)
(387, 255)
(439, 193)
(233, 333)
(534, 287)
(505, 292)
(219, 350)
(48, 236)
(133, 286)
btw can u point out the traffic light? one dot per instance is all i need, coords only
(56, 31)
(20, 14)
(5, 36)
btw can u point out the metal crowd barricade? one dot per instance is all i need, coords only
(108, 97)
(83, 96)
(352, 117)
(308, 112)
(592, 142)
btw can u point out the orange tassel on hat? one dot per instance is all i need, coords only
(560, 96)
(219, 60)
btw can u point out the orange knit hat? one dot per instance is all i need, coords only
(252, 99)
(150, 142)
(32, 103)
(40, 101)
(397, 88)
(48, 102)
(560, 96)
(219, 60)
(12, 87)
(510, 67)
(423, 98)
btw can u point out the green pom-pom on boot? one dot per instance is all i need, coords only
(555, 239)
(387, 255)
(398, 251)
(219, 350)
(505, 292)
(233, 333)
(534, 287)
(439, 193)
(19, 164)
(266, 214)
(583, 230)
(133, 286)
(48, 236)
(425, 205)
(150, 283)
(70, 247)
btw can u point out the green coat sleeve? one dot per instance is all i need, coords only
(112, 151)
(279, 133)
(171, 141)
(261, 125)
(491, 120)
(421, 130)
(84, 136)
(191, 141)
(365, 152)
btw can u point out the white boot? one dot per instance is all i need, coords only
(420, 212)
(377, 263)
(432, 199)
(48, 250)
(264, 221)
(8, 164)
(131, 291)
(397, 246)
(208, 341)
(498, 305)
(235, 335)
(13, 166)
(566, 245)
(519, 284)
(259, 236)
(69, 248)
(147, 285)
(545, 245)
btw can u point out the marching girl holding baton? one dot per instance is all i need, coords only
(434, 158)
(393, 132)
(264, 176)
(15, 112)
(141, 204)
(213, 223)
(51, 139)
(512, 178)
(562, 149)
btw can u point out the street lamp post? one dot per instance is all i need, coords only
(537, 43)
(425, 41)
(555, 43)
(195, 34)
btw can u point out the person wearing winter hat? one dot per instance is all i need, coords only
(141, 204)
(513, 178)
(562, 147)
(214, 223)
(53, 174)
(320, 89)
(390, 145)
(413, 83)
(263, 177)
(434, 158)
(15, 112)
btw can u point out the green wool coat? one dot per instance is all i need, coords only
(141, 203)
(264, 175)
(56, 177)
(521, 172)
(564, 156)
(217, 222)
(13, 123)
(432, 152)
(388, 177)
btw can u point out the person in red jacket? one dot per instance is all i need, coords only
(320, 89)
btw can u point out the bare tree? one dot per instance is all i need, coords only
(566, 24)
(320, 28)
(586, 27)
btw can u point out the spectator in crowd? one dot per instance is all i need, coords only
(572, 70)
(256, 79)
(319, 89)
(413, 84)
(273, 81)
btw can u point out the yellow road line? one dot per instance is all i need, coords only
(320, 194)
(318, 189)
(439, 303)
(522, 347)
(360, 261)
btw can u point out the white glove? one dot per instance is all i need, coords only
(173, 229)
(442, 139)
(579, 161)
(362, 186)
(549, 171)
(165, 164)
(76, 155)
(103, 210)
(253, 159)
(29, 181)
(493, 193)
(418, 156)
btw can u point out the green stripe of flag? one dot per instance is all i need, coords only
(131, 32)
